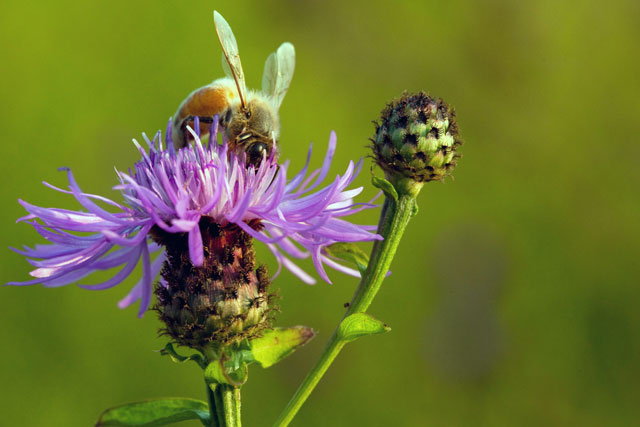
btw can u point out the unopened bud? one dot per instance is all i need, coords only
(416, 139)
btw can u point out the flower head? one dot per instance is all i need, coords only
(417, 139)
(173, 191)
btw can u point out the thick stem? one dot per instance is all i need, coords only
(230, 400)
(393, 220)
(224, 405)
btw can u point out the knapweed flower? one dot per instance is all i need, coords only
(187, 196)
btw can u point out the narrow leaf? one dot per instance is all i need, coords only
(168, 350)
(414, 209)
(358, 325)
(155, 412)
(278, 343)
(350, 252)
(387, 188)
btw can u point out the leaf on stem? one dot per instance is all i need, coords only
(278, 343)
(349, 252)
(168, 350)
(221, 372)
(358, 325)
(155, 412)
(387, 188)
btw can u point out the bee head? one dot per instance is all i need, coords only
(251, 129)
(257, 116)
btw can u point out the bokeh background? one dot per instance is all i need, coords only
(514, 295)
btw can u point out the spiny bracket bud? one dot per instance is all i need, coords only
(220, 304)
(416, 139)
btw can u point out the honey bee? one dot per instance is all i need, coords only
(249, 118)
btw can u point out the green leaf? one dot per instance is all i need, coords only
(414, 209)
(278, 343)
(387, 188)
(358, 325)
(225, 372)
(155, 412)
(349, 252)
(168, 350)
(240, 354)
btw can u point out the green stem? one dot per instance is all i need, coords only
(224, 405)
(213, 407)
(393, 220)
(230, 397)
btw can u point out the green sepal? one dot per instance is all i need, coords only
(168, 350)
(155, 412)
(387, 188)
(278, 343)
(240, 354)
(358, 325)
(224, 372)
(414, 209)
(350, 252)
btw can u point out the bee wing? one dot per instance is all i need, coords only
(231, 55)
(270, 75)
(278, 72)
(226, 68)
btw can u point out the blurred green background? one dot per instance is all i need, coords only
(514, 296)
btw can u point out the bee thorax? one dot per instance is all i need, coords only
(257, 118)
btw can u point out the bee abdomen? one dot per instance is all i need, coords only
(205, 102)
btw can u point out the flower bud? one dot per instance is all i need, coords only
(416, 139)
(220, 303)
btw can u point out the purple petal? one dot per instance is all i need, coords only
(121, 275)
(196, 251)
(122, 239)
(292, 267)
(339, 267)
(146, 281)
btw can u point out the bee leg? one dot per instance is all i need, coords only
(205, 119)
(208, 119)
(183, 127)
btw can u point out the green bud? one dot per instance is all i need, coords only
(416, 139)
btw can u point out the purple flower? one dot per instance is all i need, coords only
(173, 190)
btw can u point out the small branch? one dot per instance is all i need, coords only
(393, 221)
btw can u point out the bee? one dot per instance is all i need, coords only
(249, 119)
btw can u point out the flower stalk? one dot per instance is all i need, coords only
(394, 219)
(224, 405)
(415, 143)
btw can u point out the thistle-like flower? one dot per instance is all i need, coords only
(198, 209)
(416, 139)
